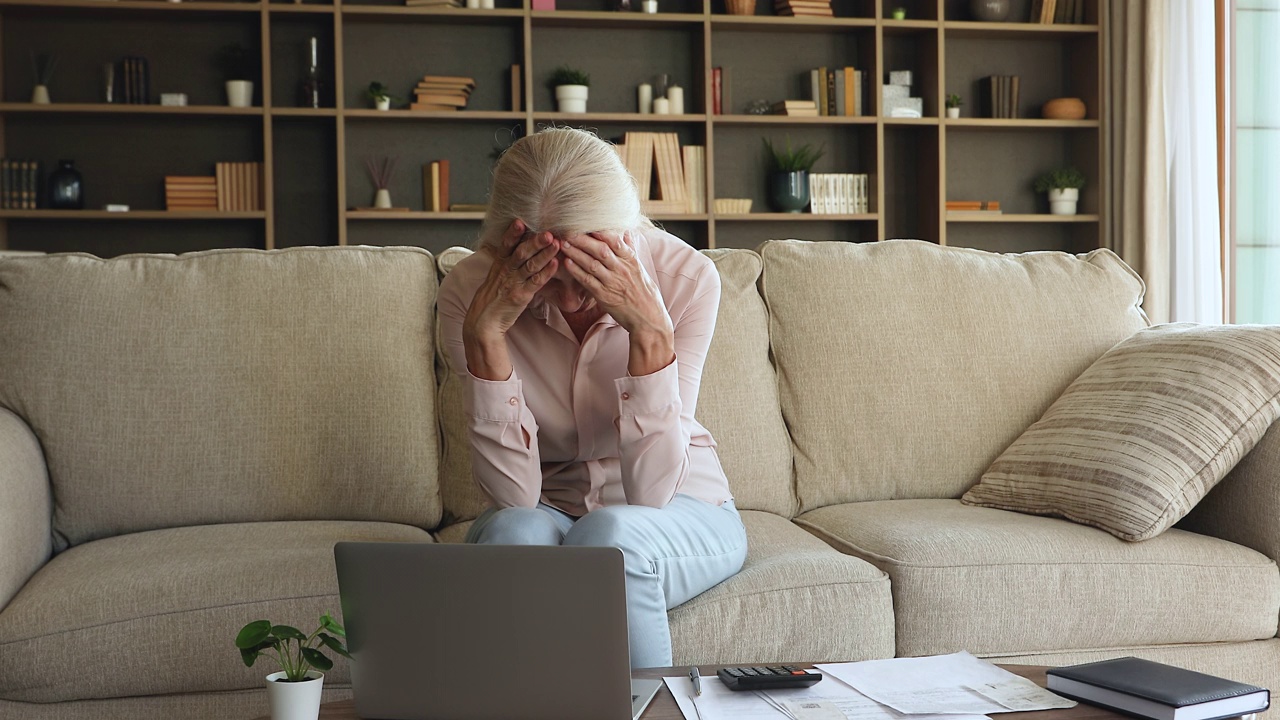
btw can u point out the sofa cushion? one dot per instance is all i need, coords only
(793, 600)
(738, 401)
(1138, 439)
(906, 368)
(995, 582)
(225, 386)
(157, 612)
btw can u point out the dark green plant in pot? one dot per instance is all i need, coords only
(294, 651)
(1061, 179)
(377, 91)
(791, 159)
(789, 174)
(565, 75)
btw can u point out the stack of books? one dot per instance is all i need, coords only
(239, 186)
(190, 192)
(838, 194)
(837, 91)
(680, 175)
(1157, 691)
(985, 207)
(1001, 95)
(802, 108)
(1060, 12)
(442, 92)
(435, 186)
(19, 180)
(807, 8)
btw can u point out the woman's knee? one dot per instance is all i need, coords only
(611, 526)
(519, 526)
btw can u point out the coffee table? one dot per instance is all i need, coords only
(664, 706)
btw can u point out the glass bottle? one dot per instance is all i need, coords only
(312, 85)
(66, 187)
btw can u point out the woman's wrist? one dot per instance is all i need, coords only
(487, 356)
(650, 351)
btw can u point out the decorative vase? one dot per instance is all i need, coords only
(66, 187)
(989, 10)
(40, 95)
(240, 93)
(382, 103)
(382, 198)
(1062, 201)
(789, 191)
(953, 112)
(571, 98)
(899, 13)
(294, 700)
(1063, 109)
(740, 7)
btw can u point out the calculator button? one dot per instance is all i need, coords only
(735, 672)
(797, 672)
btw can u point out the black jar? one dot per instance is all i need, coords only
(66, 187)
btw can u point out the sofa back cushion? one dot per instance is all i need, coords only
(738, 401)
(906, 368)
(225, 386)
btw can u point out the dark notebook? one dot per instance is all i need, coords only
(1154, 690)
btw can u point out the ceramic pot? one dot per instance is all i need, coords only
(239, 93)
(382, 198)
(382, 103)
(1063, 109)
(1062, 201)
(297, 700)
(571, 98)
(789, 191)
(989, 10)
(40, 95)
(953, 112)
(66, 187)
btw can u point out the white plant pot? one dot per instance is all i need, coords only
(40, 95)
(295, 701)
(1062, 201)
(240, 93)
(953, 112)
(572, 98)
(382, 198)
(382, 103)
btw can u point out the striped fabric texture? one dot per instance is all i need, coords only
(1142, 435)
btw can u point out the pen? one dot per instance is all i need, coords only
(696, 679)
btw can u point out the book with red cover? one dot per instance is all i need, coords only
(716, 106)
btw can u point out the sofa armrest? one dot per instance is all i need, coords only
(1245, 507)
(26, 506)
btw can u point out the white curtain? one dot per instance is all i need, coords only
(1189, 99)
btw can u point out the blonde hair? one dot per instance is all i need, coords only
(563, 180)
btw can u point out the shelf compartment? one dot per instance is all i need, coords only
(458, 116)
(793, 120)
(1046, 69)
(975, 217)
(122, 109)
(1009, 30)
(80, 215)
(979, 124)
(802, 217)
(774, 71)
(1023, 156)
(468, 16)
(607, 19)
(617, 118)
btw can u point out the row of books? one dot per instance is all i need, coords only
(838, 193)
(1058, 12)
(234, 187)
(838, 91)
(132, 83)
(1001, 95)
(442, 92)
(671, 178)
(19, 184)
(803, 8)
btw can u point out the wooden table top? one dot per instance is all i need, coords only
(664, 705)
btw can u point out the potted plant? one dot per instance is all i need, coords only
(953, 105)
(380, 96)
(789, 174)
(239, 67)
(570, 87)
(294, 692)
(1063, 186)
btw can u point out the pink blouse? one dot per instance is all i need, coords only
(596, 435)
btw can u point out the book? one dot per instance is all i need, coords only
(640, 160)
(442, 189)
(430, 178)
(973, 205)
(1047, 11)
(695, 176)
(832, 99)
(1157, 691)
(726, 89)
(452, 100)
(468, 207)
(517, 81)
(717, 106)
(1013, 97)
(822, 91)
(433, 107)
(850, 87)
(670, 173)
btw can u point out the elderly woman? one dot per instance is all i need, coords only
(579, 331)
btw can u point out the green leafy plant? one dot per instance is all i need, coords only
(791, 159)
(565, 75)
(954, 101)
(236, 62)
(377, 91)
(295, 652)
(1060, 179)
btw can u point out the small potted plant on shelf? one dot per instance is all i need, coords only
(239, 67)
(294, 692)
(789, 174)
(380, 96)
(570, 87)
(1063, 186)
(953, 105)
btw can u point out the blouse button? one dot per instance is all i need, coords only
(513, 401)
(626, 396)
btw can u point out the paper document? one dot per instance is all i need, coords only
(958, 684)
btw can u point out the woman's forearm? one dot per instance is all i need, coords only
(487, 356)
(650, 352)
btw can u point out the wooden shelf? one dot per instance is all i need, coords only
(776, 23)
(789, 217)
(122, 109)
(962, 217)
(1015, 30)
(469, 16)
(911, 121)
(1018, 123)
(410, 215)
(128, 5)
(131, 215)
(297, 8)
(909, 27)
(459, 115)
(303, 112)
(792, 120)
(617, 117)
(606, 19)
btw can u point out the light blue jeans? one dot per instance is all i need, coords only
(671, 555)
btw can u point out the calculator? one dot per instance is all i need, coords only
(767, 678)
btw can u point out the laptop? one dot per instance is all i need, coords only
(488, 632)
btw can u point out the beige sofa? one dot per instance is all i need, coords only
(183, 439)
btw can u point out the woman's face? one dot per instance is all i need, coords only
(564, 292)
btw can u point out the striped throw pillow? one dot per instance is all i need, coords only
(1138, 439)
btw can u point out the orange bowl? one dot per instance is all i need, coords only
(1063, 109)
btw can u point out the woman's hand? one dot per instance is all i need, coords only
(522, 263)
(606, 264)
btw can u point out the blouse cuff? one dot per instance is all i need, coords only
(648, 393)
(493, 400)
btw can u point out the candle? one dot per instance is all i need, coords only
(486, 4)
(661, 106)
(473, 4)
(675, 94)
(650, 6)
(644, 94)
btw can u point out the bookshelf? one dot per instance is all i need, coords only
(313, 159)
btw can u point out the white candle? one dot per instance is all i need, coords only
(644, 94)
(661, 106)
(675, 94)
(486, 4)
(650, 6)
(473, 4)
